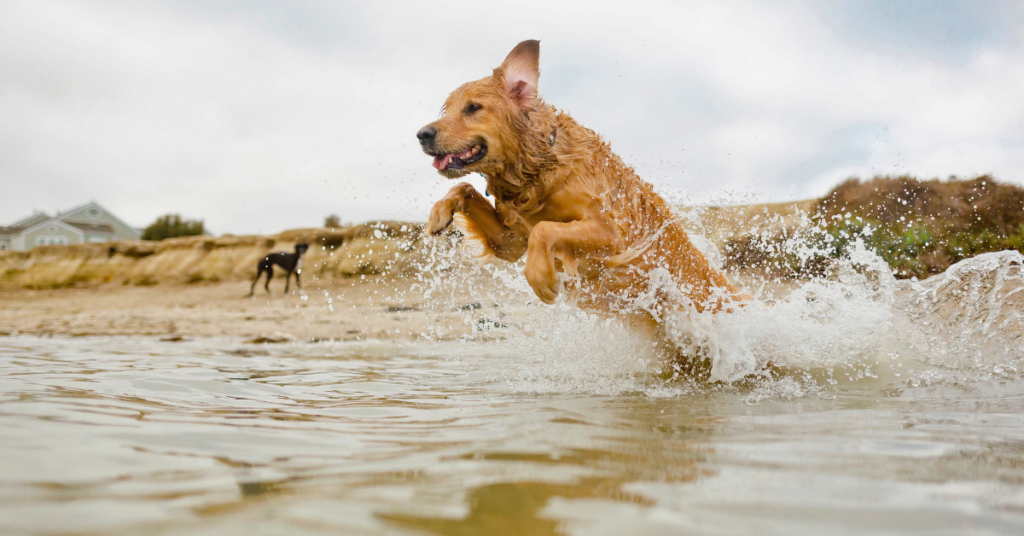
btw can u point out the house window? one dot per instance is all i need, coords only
(51, 240)
(96, 239)
(93, 213)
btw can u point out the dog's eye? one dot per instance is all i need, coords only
(472, 108)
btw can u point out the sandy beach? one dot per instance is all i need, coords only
(357, 309)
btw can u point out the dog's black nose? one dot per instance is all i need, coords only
(426, 135)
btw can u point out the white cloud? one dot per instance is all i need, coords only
(262, 116)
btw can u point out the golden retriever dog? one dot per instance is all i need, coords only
(562, 198)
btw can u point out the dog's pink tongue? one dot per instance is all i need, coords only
(441, 162)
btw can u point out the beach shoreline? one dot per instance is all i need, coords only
(356, 309)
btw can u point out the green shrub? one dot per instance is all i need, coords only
(919, 228)
(172, 226)
(146, 281)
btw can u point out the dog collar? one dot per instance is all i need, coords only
(487, 193)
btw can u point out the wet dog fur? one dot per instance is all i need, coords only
(562, 198)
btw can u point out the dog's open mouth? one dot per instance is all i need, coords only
(460, 159)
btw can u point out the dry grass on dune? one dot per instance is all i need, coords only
(368, 248)
(974, 206)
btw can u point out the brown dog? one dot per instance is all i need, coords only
(562, 197)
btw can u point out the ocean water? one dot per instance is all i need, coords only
(851, 404)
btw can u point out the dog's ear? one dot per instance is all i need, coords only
(520, 72)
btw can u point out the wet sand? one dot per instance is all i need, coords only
(371, 308)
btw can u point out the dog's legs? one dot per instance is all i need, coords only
(270, 274)
(259, 272)
(550, 239)
(707, 287)
(297, 282)
(506, 243)
(287, 280)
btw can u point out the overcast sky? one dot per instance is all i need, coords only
(259, 116)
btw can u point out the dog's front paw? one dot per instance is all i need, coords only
(442, 213)
(543, 281)
(440, 217)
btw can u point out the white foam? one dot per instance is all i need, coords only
(971, 317)
(564, 349)
(856, 323)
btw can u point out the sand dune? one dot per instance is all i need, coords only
(366, 249)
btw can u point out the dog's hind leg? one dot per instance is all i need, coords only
(287, 280)
(270, 274)
(259, 272)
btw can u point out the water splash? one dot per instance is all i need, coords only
(565, 349)
(971, 317)
(852, 322)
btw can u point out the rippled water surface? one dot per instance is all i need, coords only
(213, 436)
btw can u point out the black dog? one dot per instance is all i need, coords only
(291, 262)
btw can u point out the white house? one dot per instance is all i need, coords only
(86, 223)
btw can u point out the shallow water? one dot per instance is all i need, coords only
(214, 436)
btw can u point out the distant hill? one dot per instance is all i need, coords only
(919, 227)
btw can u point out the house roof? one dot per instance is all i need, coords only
(63, 213)
(53, 221)
(92, 227)
(36, 219)
(66, 213)
(29, 221)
